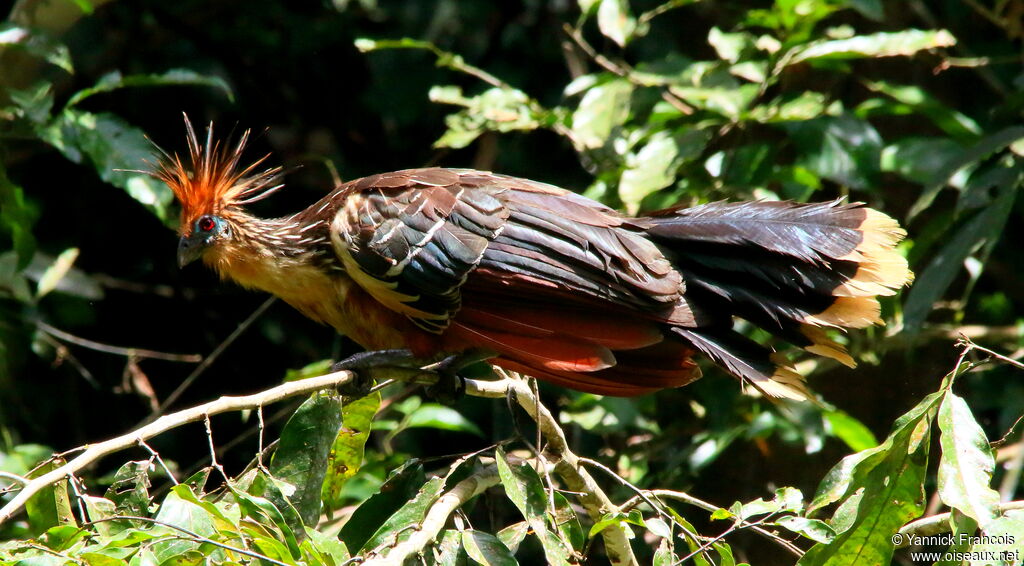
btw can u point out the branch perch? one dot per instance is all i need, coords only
(566, 463)
(437, 517)
(94, 452)
(567, 466)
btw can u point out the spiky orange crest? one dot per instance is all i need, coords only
(213, 181)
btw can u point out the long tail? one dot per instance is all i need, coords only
(790, 269)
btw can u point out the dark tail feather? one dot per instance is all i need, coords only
(791, 269)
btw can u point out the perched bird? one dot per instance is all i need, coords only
(469, 265)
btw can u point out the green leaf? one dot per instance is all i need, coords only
(966, 464)
(51, 506)
(729, 100)
(396, 528)
(882, 488)
(957, 125)
(346, 455)
(730, 46)
(448, 549)
(301, 455)
(567, 524)
(901, 43)
(55, 272)
(36, 44)
(72, 281)
(968, 158)
(514, 534)
(433, 415)
(114, 81)
(34, 103)
(615, 21)
(526, 491)
(851, 431)
(931, 282)
(917, 159)
(393, 494)
(725, 554)
(129, 489)
(804, 106)
(180, 512)
(16, 217)
(664, 555)
(497, 109)
(486, 549)
(603, 108)
(818, 531)
(314, 369)
(97, 559)
(619, 520)
(269, 507)
(329, 545)
(1004, 535)
(654, 166)
(115, 149)
(269, 494)
(842, 148)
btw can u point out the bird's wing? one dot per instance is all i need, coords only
(412, 238)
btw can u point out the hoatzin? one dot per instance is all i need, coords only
(471, 265)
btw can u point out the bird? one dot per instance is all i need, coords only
(463, 265)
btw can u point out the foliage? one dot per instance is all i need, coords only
(913, 107)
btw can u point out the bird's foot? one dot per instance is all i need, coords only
(362, 364)
(450, 387)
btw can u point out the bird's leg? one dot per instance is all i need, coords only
(362, 381)
(450, 385)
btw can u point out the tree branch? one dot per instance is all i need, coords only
(437, 517)
(567, 466)
(94, 452)
(566, 463)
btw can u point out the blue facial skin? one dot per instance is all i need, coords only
(205, 230)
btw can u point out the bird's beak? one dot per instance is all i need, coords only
(189, 250)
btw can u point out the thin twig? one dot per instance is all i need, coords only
(116, 350)
(972, 346)
(191, 535)
(155, 456)
(64, 354)
(262, 428)
(567, 466)
(646, 17)
(187, 382)
(96, 451)
(14, 478)
(93, 452)
(213, 450)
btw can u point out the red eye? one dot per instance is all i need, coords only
(205, 224)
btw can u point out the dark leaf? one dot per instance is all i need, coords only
(301, 456)
(485, 549)
(372, 514)
(931, 282)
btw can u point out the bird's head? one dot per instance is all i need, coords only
(212, 188)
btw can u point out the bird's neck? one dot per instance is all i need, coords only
(274, 255)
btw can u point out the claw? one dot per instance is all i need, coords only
(362, 382)
(449, 388)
